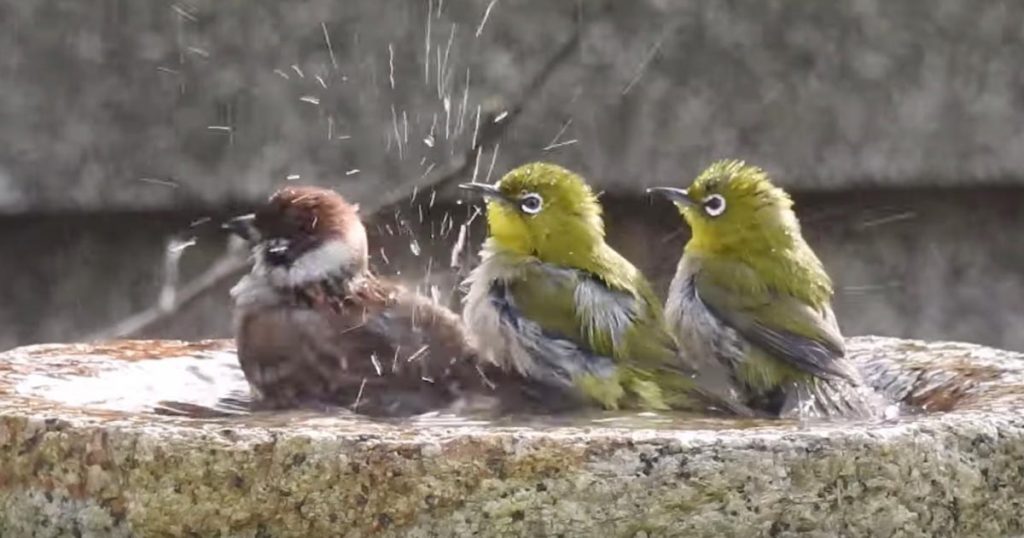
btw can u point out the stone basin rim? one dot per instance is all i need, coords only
(127, 473)
(217, 432)
(1000, 375)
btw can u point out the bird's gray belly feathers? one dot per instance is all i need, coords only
(700, 333)
(507, 338)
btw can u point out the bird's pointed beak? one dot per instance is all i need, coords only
(243, 226)
(679, 196)
(490, 192)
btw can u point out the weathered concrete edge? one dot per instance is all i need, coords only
(958, 473)
(955, 472)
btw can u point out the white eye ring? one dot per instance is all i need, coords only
(531, 204)
(713, 204)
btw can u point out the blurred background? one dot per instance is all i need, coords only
(129, 129)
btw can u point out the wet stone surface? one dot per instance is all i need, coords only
(115, 440)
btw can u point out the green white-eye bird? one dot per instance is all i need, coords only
(751, 293)
(551, 300)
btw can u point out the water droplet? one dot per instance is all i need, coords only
(414, 246)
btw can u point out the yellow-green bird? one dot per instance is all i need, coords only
(751, 293)
(551, 300)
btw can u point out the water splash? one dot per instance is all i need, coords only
(487, 14)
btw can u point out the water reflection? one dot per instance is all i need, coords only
(202, 383)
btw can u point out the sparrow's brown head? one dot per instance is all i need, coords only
(303, 235)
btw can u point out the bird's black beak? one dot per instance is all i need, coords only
(679, 196)
(490, 192)
(243, 226)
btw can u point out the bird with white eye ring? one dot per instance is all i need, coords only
(531, 203)
(552, 300)
(750, 294)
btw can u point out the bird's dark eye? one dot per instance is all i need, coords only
(531, 204)
(714, 205)
(277, 251)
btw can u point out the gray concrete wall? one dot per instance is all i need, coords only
(933, 265)
(97, 96)
(900, 124)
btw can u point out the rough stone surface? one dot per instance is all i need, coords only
(75, 466)
(222, 98)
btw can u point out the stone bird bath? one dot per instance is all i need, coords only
(139, 439)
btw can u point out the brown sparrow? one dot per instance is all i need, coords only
(316, 328)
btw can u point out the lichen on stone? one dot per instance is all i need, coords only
(76, 470)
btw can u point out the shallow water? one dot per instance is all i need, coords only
(201, 382)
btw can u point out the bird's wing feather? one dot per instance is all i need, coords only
(590, 327)
(285, 355)
(547, 330)
(383, 353)
(782, 325)
(605, 315)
